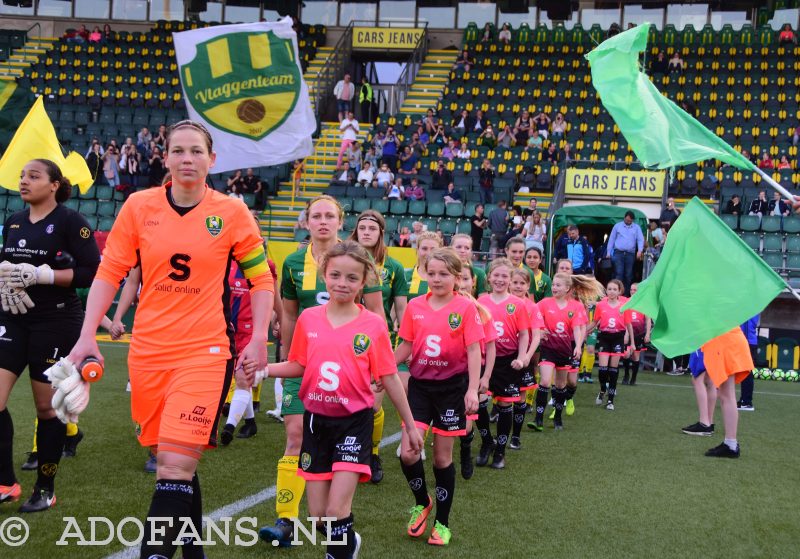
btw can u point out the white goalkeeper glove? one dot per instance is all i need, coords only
(25, 275)
(71, 395)
(14, 299)
(261, 374)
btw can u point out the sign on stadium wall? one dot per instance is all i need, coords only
(386, 38)
(630, 184)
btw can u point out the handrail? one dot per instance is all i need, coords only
(409, 73)
(37, 24)
(327, 75)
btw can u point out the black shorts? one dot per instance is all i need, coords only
(36, 343)
(611, 343)
(440, 404)
(528, 377)
(505, 382)
(336, 444)
(559, 360)
(639, 342)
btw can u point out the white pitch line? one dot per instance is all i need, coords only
(237, 507)
(689, 387)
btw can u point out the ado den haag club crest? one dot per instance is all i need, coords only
(214, 225)
(454, 320)
(361, 343)
(244, 83)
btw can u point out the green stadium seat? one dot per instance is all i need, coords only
(105, 193)
(753, 240)
(92, 220)
(464, 226)
(774, 260)
(88, 207)
(105, 223)
(381, 206)
(416, 207)
(793, 265)
(447, 227)
(454, 210)
(773, 242)
(14, 204)
(793, 244)
(436, 209)
(350, 221)
(791, 225)
(72, 204)
(731, 221)
(106, 208)
(361, 204)
(771, 223)
(300, 235)
(391, 223)
(430, 223)
(398, 207)
(749, 223)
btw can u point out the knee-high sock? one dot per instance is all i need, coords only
(571, 390)
(289, 488)
(341, 530)
(415, 476)
(634, 371)
(626, 366)
(172, 499)
(466, 445)
(542, 395)
(51, 434)
(239, 404)
(191, 548)
(530, 397)
(603, 374)
(504, 420)
(256, 391)
(7, 476)
(519, 417)
(588, 365)
(278, 394)
(72, 429)
(483, 421)
(445, 488)
(559, 397)
(377, 430)
(613, 374)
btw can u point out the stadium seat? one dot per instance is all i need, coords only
(774, 260)
(793, 244)
(791, 225)
(749, 223)
(773, 242)
(416, 207)
(454, 210)
(771, 223)
(731, 221)
(785, 353)
(398, 207)
(361, 204)
(436, 209)
(753, 240)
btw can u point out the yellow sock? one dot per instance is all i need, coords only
(529, 397)
(289, 488)
(72, 429)
(35, 426)
(377, 430)
(589, 362)
(257, 392)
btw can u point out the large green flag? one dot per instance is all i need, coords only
(706, 282)
(660, 133)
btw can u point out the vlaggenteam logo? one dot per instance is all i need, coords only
(244, 83)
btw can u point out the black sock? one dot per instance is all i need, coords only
(504, 421)
(483, 421)
(466, 442)
(519, 417)
(7, 476)
(613, 374)
(415, 475)
(341, 530)
(571, 392)
(50, 435)
(602, 373)
(192, 549)
(626, 363)
(635, 371)
(445, 487)
(542, 395)
(559, 397)
(172, 499)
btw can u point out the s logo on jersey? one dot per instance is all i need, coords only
(361, 343)
(214, 225)
(454, 320)
(510, 308)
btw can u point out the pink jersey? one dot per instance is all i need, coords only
(489, 335)
(559, 323)
(534, 315)
(241, 312)
(510, 318)
(608, 318)
(439, 338)
(340, 362)
(637, 320)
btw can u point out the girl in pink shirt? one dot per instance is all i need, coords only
(339, 348)
(441, 333)
(641, 337)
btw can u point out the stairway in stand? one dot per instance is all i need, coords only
(23, 57)
(429, 84)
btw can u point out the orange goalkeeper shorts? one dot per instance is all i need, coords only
(726, 356)
(180, 404)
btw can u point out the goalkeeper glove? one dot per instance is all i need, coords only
(25, 275)
(71, 395)
(14, 299)
(261, 374)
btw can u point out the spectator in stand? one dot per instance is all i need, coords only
(568, 155)
(463, 122)
(522, 128)
(404, 240)
(625, 246)
(452, 196)
(143, 138)
(416, 230)
(353, 155)
(450, 151)
(441, 177)
(390, 145)
(559, 127)
(670, 213)
(234, 193)
(676, 64)
(572, 246)
(79, 37)
(129, 167)
(96, 35)
(498, 225)
(784, 163)
(408, 162)
(488, 138)
(787, 35)
(366, 99)
(365, 175)
(531, 209)
(656, 235)
(429, 122)
(377, 142)
(486, 175)
(765, 161)
(414, 191)
(384, 176)
(478, 223)
(464, 61)
(487, 36)
(479, 122)
(344, 91)
(759, 206)
(463, 150)
(423, 137)
(439, 138)
(94, 160)
(237, 180)
(551, 154)
(416, 145)
(108, 35)
(734, 205)
(506, 137)
(534, 231)
(752, 157)
(505, 34)
(254, 185)
(659, 65)
(155, 173)
(543, 125)
(796, 135)
(534, 141)
(161, 136)
(111, 165)
(372, 158)
(515, 223)
(777, 206)
(302, 222)
(344, 175)
(349, 130)
(395, 191)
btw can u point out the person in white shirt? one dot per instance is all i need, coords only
(384, 176)
(395, 191)
(365, 175)
(463, 151)
(344, 91)
(349, 129)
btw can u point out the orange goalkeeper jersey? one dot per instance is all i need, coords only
(183, 315)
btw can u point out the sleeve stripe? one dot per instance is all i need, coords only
(253, 258)
(256, 270)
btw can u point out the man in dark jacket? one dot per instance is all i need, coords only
(574, 247)
(441, 177)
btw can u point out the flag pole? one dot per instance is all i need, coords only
(770, 181)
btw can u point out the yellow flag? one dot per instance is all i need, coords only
(36, 139)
